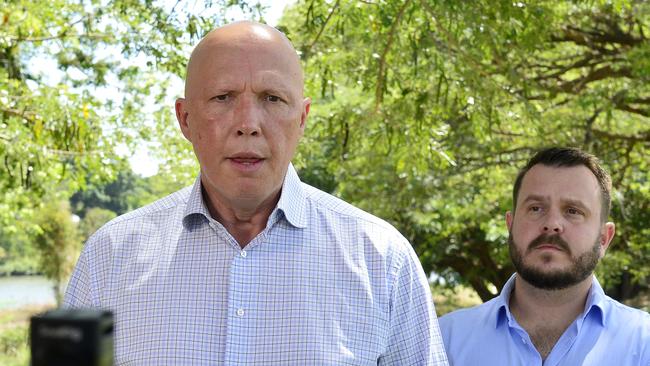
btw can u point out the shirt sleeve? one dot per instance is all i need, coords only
(415, 335)
(78, 292)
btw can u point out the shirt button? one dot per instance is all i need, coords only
(243, 253)
(240, 312)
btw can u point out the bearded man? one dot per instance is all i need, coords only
(553, 311)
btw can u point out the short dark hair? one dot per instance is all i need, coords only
(569, 157)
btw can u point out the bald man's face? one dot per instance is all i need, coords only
(244, 113)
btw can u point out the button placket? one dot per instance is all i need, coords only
(239, 266)
(239, 316)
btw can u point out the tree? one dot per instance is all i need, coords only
(17, 254)
(113, 195)
(94, 219)
(101, 202)
(78, 79)
(436, 104)
(58, 242)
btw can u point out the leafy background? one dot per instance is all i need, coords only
(423, 111)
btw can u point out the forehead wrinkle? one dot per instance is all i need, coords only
(201, 63)
(271, 80)
(242, 35)
(222, 79)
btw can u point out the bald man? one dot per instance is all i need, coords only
(249, 266)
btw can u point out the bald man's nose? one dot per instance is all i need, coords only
(248, 117)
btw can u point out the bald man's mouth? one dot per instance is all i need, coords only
(246, 162)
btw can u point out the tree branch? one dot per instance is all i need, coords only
(379, 91)
(590, 60)
(630, 109)
(589, 39)
(28, 116)
(59, 36)
(329, 16)
(639, 100)
(577, 85)
(589, 127)
(626, 165)
(640, 137)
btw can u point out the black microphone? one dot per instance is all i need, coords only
(72, 337)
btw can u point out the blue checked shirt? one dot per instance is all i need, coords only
(324, 284)
(607, 333)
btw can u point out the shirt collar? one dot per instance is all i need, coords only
(292, 199)
(502, 301)
(291, 203)
(195, 205)
(595, 301)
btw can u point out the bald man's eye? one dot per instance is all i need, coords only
(273, 98)
(220, 98)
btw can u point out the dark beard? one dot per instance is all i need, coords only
(581, 267)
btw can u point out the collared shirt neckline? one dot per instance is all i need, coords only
(292, 199)
(291, 202)
(595, 302)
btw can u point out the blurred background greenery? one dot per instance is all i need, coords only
(422, 113)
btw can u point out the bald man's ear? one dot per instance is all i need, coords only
(181, 117)
(509, 219)
(306, 104)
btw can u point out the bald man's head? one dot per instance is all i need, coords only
(237, 36)
(244, 113)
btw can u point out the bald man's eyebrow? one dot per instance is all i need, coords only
(277, 90)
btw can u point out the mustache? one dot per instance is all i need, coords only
(554, 239)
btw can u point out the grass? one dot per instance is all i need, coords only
(450, 299)
(14, 337)
(640, 301)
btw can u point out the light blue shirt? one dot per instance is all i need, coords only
(607, 333)
(324, 284)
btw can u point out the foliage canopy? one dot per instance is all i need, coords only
(424, 111)
(81, 81)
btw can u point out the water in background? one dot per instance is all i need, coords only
(18, 291)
